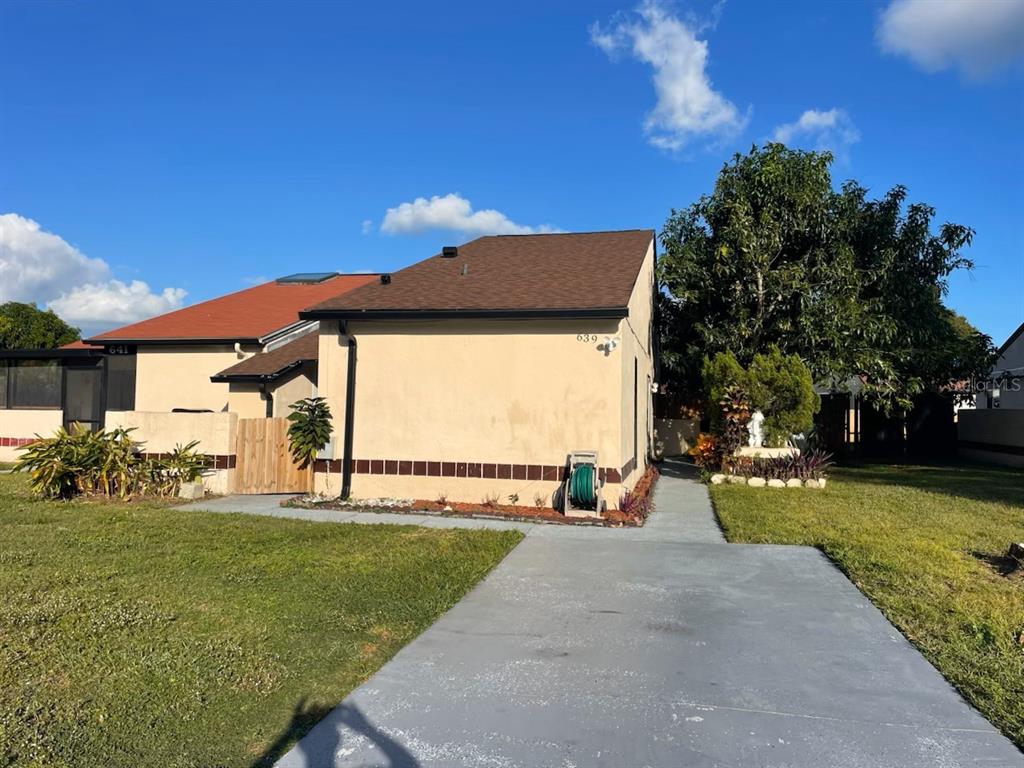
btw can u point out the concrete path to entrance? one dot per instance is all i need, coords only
(662, 647)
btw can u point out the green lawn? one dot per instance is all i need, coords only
(147, 636)
(924, 544)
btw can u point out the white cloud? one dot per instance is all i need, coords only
(451, 212)
(115, 302)
(977, 37)
(367, 226)
(820, 130)
(688, 107)
(41, 267)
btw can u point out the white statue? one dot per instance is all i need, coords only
(756, 439)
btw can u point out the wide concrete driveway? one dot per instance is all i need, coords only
(658, 647)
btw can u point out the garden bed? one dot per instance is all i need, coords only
(635, 507)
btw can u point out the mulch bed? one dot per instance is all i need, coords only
(612, 518)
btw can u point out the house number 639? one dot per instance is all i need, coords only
(586, 337)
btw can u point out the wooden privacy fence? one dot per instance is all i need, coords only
(264, 463)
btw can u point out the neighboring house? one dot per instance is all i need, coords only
(161, 364)
(473, 374)
(994, 430)
(176, 354)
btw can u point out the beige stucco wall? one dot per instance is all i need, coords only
(245, 398)
(1000, 426)
(246, 401)
(636, 334)
(161, 432)
(503, 391)
(26, 423)
(289, 391)
(179, 376)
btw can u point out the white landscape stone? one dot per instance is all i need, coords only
(812, 483)
(717, 479)
(756, 482)
(794, 482)
(821, 482)
(776, 483)
(737, 479)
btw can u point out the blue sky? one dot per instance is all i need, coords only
(165, 153)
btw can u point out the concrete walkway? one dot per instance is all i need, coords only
(663, 647)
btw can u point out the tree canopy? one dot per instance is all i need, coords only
(775, 255)
(25, 326)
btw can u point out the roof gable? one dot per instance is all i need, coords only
(508, 274)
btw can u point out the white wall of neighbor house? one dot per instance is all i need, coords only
(1011, 394)
(489, 391)
(173, 376)
(162, 432)
(23, 424)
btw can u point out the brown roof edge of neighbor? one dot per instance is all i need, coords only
(586, 274)
(270, 365)
(246, 316)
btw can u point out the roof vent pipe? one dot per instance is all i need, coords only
(385, 279)
(449, 252)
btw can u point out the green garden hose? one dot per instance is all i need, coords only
(581, 486)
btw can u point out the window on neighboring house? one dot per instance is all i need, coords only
(121, 382)
(34, 384)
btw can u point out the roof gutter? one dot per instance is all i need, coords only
(191, 342)
(240, 378)
(610, 313)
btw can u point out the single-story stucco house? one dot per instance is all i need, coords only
(471, 375)
(994, 429)
(474, 374)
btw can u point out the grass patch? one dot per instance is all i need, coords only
(925, 545)
(145, 636)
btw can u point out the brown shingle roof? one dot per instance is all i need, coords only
(250, 314)
(269, 365)
(508, 274)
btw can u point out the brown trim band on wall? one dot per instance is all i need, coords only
(214, 461)
(16, 442)
(467, 469)
(974, 445)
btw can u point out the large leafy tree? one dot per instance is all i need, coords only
(775, 255)
(25, 326)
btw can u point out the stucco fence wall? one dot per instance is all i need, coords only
(676, 436)
(18, 427)
(994, 435)
(162, 432)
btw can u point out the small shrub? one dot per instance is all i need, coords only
(539, 500)
(490, 500)
(782, 388)
(513, 499)
(807, 466)
(442, 498)
(706, 453)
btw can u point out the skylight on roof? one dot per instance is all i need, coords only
(306, 277)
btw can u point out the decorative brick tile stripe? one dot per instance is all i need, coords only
(215, 461)
(468, 469)
(16, 442)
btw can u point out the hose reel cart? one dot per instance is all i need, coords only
(583, 495)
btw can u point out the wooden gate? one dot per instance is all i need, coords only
(264, 463)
